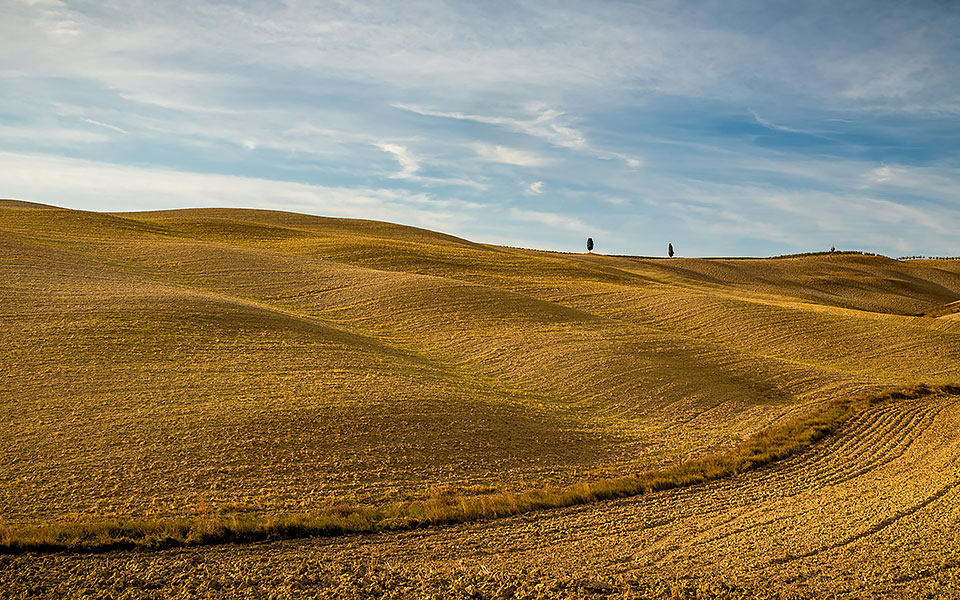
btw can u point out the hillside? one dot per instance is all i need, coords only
(156, 361)
(162, 365)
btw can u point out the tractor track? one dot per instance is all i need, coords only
(871, 511)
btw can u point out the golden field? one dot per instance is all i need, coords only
(163, 365)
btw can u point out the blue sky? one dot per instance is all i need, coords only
(726, 128)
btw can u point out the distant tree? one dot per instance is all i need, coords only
(833, 249)
(589, 244)
(670, 250)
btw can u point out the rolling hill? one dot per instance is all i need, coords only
(161, 363)
(276, 359)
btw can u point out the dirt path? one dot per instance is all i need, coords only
(873, 511)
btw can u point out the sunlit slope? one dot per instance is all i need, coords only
(788, 308)
(890, 347)
(275, 359)
(871, 283)
(126, 395)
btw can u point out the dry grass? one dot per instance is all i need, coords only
(442, 506)
(321, 373)
(942, 311)
(208, 341)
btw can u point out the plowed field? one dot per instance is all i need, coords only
(157, 365)
(873, 511)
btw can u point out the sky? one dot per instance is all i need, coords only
(727, 128)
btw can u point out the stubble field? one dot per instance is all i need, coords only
(157, 365)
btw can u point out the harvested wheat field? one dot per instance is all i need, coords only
(226, 403)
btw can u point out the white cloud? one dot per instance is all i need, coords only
(408, 164)
(798, 219)
(770, 125)
(880, 175)
(614, 200)
(535, 188)
(105, 126)
(410, 167)
(591, 197)
(577, 51)
(941, 184)
(544, 123)
(553, 220)
(53, 134)
(508, 156)
(895, 213)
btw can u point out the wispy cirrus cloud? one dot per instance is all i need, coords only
(731, 127)
(769, 125)
(105, 126)
(408, 164)
(552, 219)
(508, 156)
(544, 123)
(410, 168)
(541, 122)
